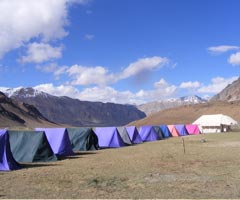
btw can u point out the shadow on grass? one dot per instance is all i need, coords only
(33, 165)
(80, 153)
(76, 155)
(68, 157)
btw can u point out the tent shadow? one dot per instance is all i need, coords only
(80, 153)
(33, 165)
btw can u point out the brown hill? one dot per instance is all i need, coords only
(189, 113)
(230, 93)
(18, 114)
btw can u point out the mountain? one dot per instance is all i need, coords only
(189, 113)
(18, 114)
(230, 93)
(65, 110)
(153, 107)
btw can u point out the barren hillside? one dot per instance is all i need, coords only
(230, 93)
(188, 114)
(20, 115)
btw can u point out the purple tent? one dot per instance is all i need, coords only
(59, 140)
(148, 133)
(7, 162)
(108, 137)
(181, 129)
(133, 134)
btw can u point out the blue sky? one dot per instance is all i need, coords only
(122, 51)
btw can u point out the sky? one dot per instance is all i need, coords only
(121, 51)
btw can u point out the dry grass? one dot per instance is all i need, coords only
(151, 170)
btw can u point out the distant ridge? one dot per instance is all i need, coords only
(154, 107)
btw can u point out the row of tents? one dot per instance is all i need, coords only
(51, 144)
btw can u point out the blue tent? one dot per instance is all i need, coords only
(7, 162)
(148, 133)
(165, 131)
(181, 129)
(133, 134)
(59, 140)
(109, 137)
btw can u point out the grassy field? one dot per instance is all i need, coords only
(160, 169)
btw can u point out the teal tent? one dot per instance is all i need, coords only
(30, 146)
(7, 162)
(83, 139)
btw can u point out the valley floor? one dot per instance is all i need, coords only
(208, 169)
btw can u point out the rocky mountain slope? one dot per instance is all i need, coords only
(18, 114)
(154, 107)
(230, 93)
(74, 112)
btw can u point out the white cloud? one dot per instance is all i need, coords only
(21, 21)
(61, 90)
(89, 37)
(143, 64)
(109, 94)
(217, 85)
(41, 52)
(53, 68)
(161, 83)
(102, 94)
(222, 49)
(190, 84)
(234, 59)
(99, 75)
(161, 91)
(82, 75)
(165, 88)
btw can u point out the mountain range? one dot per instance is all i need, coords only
(27, 107)
(73, 112)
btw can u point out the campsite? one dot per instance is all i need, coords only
(113, 99)
(204, 167)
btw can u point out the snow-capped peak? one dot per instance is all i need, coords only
(22, 92)
(186, 99)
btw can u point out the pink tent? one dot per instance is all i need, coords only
(192, 129)
(173, 130)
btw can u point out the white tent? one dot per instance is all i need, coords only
(215, 123)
